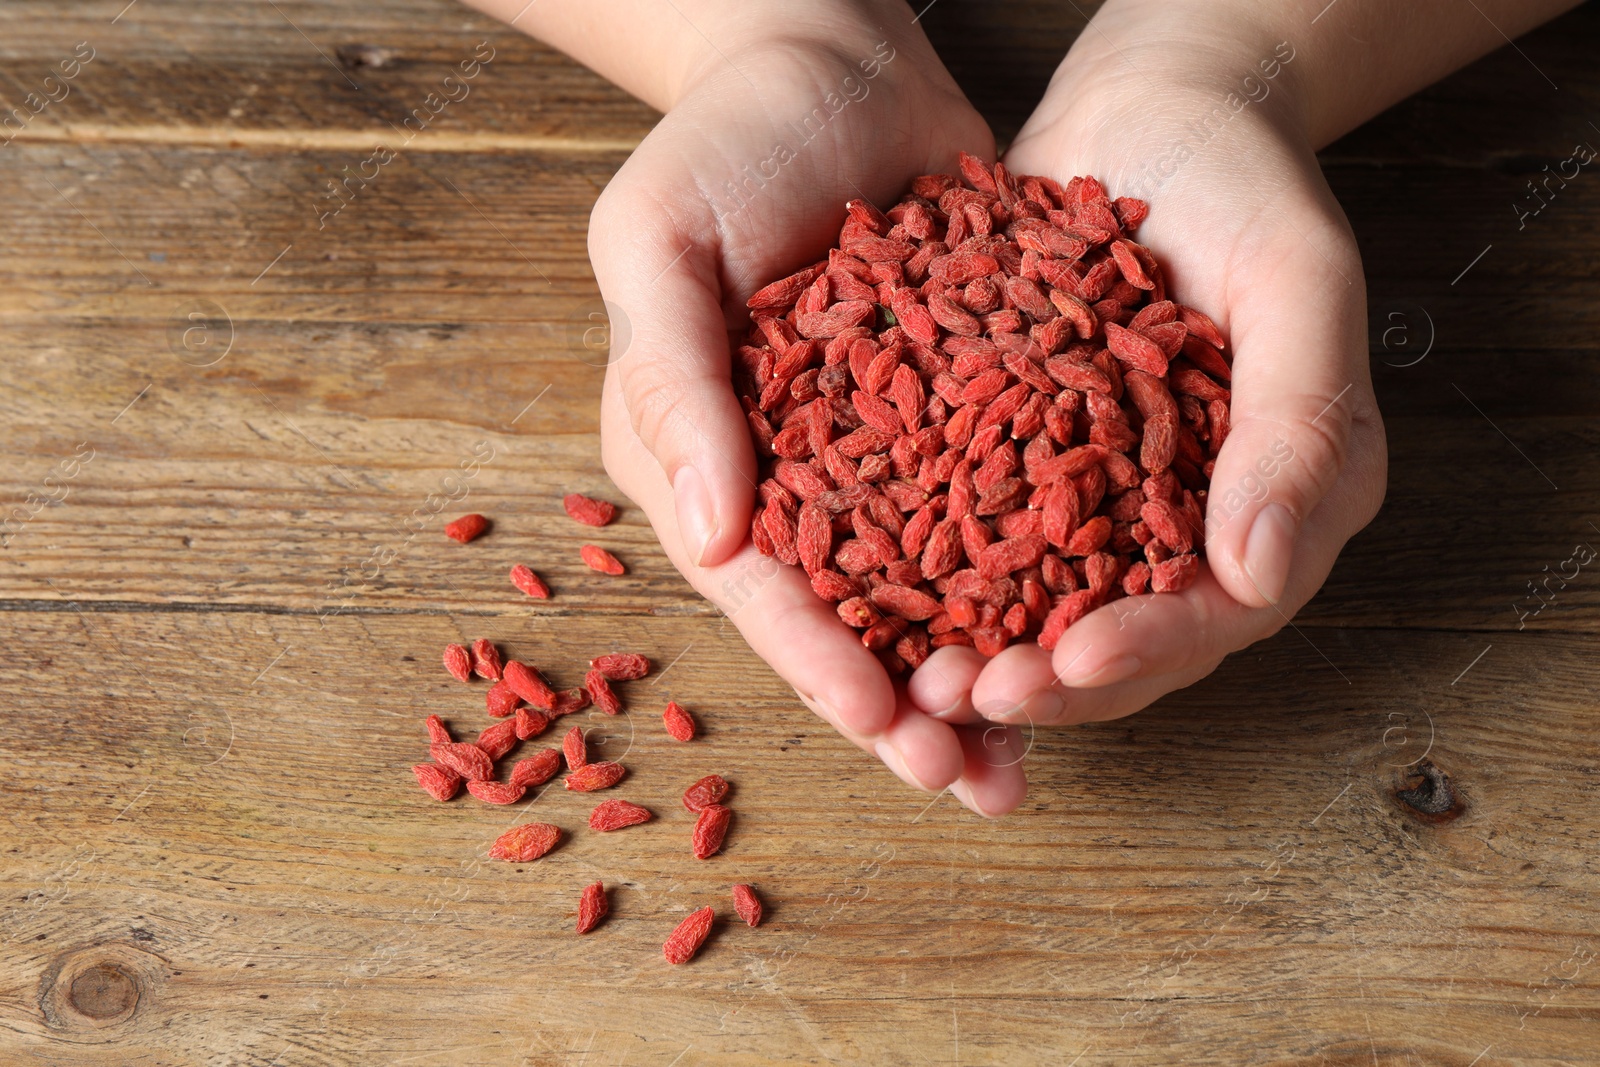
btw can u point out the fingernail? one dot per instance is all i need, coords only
(896, 763)
(1043, 707)
(697, 520)
(1090, 675)
(1268, 550)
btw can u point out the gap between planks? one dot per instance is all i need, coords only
(327, 140)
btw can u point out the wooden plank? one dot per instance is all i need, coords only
(227, 821)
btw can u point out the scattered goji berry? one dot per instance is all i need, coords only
(569, 701)
(678, 722)
(438, 733)
(498, 739)
(537, 769)
(525, 843)
(592, 907)
(615, 814)
(621, 666)
(530, 722)
(486, 659)
(601, 693)
(529, 582)
(747, 905)
(466, 528)
(707, 791)
(501, 699)
(587, 510)
(575, 748)
(690, 934)
(496, 792)
(469, 761)
(710, 829)
(457, 662)
(441, 782)
(592, 776)
(526, 683)
(598, 559)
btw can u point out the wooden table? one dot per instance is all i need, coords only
(222, 616)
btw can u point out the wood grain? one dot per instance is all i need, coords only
(215, 853)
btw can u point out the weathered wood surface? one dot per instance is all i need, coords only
(215, 854)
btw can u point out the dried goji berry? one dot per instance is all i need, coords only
(437, 732)
(601, 693)
(587, 510)
(598, 559)
(527, 581)
(747, 905)
(441, 782)
(710, 829)
(593, 776)
(498, 739)
(569, 701)
(530, 722)
(537, 769)
(678, 722)
(496, 792)
(501, 699)
(469, 761)
(458, 662)
(486, 659)
(575, 748)
(466, 528)
(592, 907)
(690, 934)
(621, 666)
(611, 815)
(525, 843)
(526, 683)
(707, 791)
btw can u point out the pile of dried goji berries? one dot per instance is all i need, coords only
(528, 705)
(981, 418)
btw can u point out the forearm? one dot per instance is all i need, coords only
(1353, 58)
(656, 49)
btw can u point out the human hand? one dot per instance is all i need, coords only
(1249, 232)
(677, 251)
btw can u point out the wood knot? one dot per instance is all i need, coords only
(364, 56)
(97, 987)
(1432, 797)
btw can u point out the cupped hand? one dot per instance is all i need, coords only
(1248, 232)
(745, 181)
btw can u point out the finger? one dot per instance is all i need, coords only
(942, 686)
(1300, 384)
(674, 368)
(1106, 702)
(1018, 686)
(772, 606)
(992, 781)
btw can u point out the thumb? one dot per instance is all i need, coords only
(1300, 383)
(675, 370)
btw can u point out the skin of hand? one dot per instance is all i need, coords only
(1248, 232)
(743, 182)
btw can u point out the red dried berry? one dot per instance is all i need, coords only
(496, 792)
(441, 782)
(710, 829)
(689, 935)
(526, 683)
(598, 559)
(466, 528)
(707, 791)
(615, 814)
(498, 739)
(587, 510)
(438, 734)
(592, 907)
(469, 761)
(486, 659)
(678, 722)
(530, 722)
(457, 662)
(593, 776)
(601, 693)
(525, 843)
(501, 699)
(537, 769)
(529, 582)
(569, 701)
(574, 748)
(621, 666)
(747, 905)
